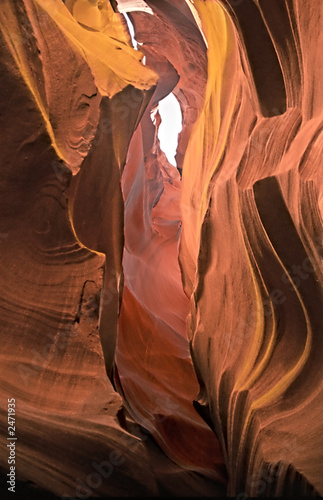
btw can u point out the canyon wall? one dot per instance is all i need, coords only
(161, 327)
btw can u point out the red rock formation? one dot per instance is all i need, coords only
(200, 296)
(252, 262)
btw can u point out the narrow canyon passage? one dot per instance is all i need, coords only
(155, 374)
(161, 271)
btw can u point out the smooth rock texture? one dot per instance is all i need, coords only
(161, 327)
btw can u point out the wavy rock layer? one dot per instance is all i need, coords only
(197, 290)
(57, 295)
(251, 249)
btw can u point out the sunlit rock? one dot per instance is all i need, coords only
(161, 327)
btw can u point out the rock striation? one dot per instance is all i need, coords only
(161, 326)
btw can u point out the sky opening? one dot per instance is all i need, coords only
(170, 127)
(170, 113)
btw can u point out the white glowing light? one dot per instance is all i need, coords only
(169, 110)
(170, 127)
(132, 31)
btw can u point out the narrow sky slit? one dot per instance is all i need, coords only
(170, 127)
(170, 113)
(132, 31)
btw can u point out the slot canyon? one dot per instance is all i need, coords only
(161, 313)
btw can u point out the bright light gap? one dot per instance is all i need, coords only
(171, 125)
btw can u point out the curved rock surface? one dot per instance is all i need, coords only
(161, 326)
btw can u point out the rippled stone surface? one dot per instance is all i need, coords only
(161, 327)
